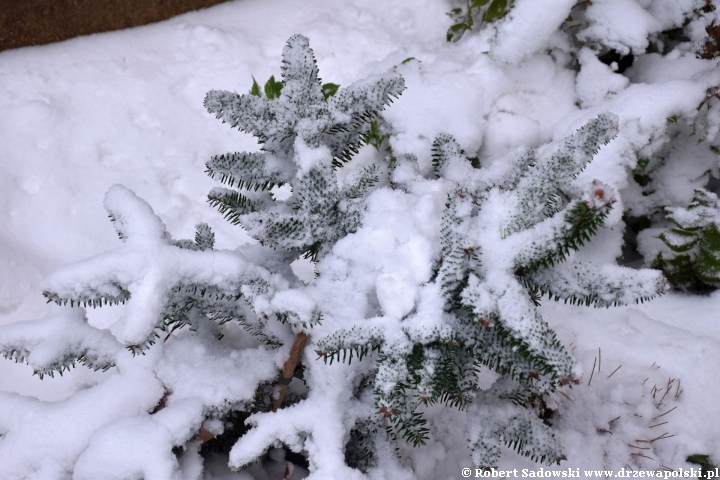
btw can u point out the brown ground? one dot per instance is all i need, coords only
(36, 22)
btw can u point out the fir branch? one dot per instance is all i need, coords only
(588, 284)
(244, 170)
(544, 187)
(563, 233)
(358, 185)
(57, 344)
(231, 204)
(111, 292)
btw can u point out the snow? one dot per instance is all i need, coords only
(528, 28)
(83, 117)
(626, 32)
(127, 396)
(596, 81)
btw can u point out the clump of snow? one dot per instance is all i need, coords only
(528, 28)
(62, 430)
(307, 157)
(596, 81)
(620, 24)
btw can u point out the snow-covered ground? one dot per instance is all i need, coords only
(127, 107)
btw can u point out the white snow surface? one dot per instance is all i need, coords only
(126, 108)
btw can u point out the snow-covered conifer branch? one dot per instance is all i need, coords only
(560, 235)
(57, 343)
(250, 171)
(157, 278)
(204, 239)
(232, 204)
(584, 283)
(494, 422)
(553, 170)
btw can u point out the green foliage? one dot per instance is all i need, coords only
(707, 468)
(698, 459)
(329, 89)
(255, 89)
(378, 135)
(204, 239)
(272, 88)
(475, 12)
(359, 449)
(693, 263)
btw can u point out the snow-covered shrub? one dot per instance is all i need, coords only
(424, 296)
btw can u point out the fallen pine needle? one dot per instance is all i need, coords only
(641, 455)
(662, 415)
(568, 397)
(593, 371)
